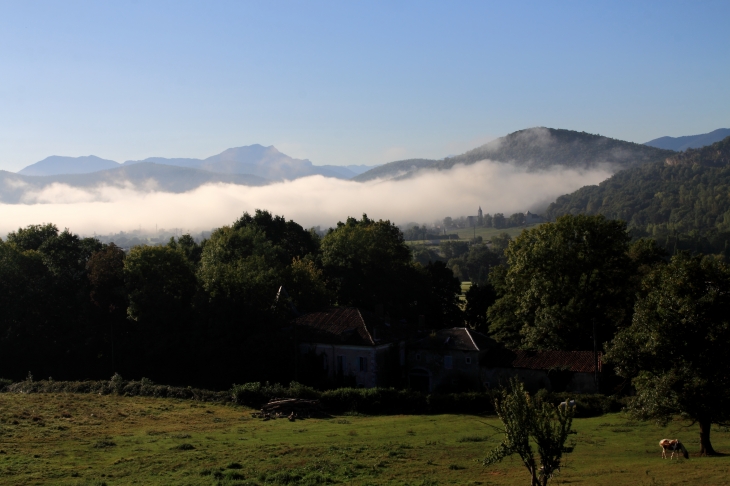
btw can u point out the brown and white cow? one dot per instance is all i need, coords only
(673, 445)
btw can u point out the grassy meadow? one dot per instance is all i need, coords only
(75, 439)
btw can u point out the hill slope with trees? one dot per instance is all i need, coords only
(683, 202)
(537, 149)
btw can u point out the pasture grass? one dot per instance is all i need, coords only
(75, 439)
(466, 234)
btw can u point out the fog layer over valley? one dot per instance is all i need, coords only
(310, 201)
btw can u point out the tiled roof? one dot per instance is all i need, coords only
(457, 339)
(343, 325)
(578, 361)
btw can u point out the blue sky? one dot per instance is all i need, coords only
(350, 82)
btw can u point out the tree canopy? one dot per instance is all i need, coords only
(675, 350)
(559, 277)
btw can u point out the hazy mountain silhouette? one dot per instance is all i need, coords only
(57, 164)
(689, 141)
(257, 160)
(18, 188)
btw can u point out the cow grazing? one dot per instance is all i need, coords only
(674, 446)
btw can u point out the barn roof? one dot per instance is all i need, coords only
(578, 361)
(456, 339)
(343, 325)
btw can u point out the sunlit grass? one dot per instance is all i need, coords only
(89, 439)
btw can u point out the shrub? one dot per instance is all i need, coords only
(373, 401)
(255, 394)
(4, 383)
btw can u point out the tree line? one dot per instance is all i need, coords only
(204, 314)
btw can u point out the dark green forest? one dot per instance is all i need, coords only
(682, 202)
(207, 313)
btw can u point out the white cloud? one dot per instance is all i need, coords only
(316, 200)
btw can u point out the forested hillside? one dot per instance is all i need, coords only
(537, 149)
(542, 148)
(394, 169)
(683, 202)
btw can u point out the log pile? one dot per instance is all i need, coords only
(291, 408)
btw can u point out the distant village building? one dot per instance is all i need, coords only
(477, 220)
(531, 218)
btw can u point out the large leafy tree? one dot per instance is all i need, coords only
(46, 304)
(675, 351)
(108, 295)
(368, 263)
(479, 298)
(438, 296)
(160, 286)
(560, 277)
(290, 237)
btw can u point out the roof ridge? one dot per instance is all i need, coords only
(364, 324)
(472, 338)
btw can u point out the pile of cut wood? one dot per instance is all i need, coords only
(291, 408)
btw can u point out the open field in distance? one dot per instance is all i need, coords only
(73, 439)
(466, 234)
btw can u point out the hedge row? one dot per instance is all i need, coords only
(116, 386)
(369, 401)
(388, 401)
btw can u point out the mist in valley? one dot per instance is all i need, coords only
(310, 201)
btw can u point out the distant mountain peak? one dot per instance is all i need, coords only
(690, 141)
(58, 164)
(536, 148)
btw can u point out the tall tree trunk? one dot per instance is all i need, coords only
(705, 444)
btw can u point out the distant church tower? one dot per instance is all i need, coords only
(480, 218)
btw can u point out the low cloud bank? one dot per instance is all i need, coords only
(310, 201)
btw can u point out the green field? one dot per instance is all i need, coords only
(466, 234)
(73, 439)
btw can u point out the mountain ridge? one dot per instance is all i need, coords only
(258, 160)
(71, 165)
(537, 148)
(689, 141)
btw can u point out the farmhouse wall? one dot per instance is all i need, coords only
(464, 366)
(351, 356)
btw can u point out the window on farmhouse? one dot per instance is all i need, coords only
(468, 360)
(340, 365)
(448, 363)
(363, 364)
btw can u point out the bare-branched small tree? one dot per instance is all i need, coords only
(529, 421)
